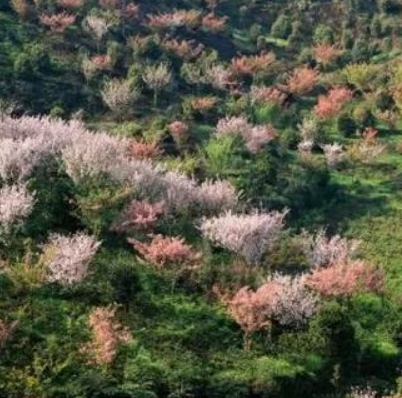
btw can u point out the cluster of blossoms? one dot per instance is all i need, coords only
(344, 279)
(144, 150)
(368, 149)
(334, 154)
(28, 141)
(255, 137)
(191, 19)
(139, 215)
(269, 95)
(216, 196)
(247, 235)
(220, 77)
(179, 131)
(96, 26)
(16, 204)
(96, 63)
(250, 65)
(326, 54)
(164, 252)
(107, 335)
(322, 250)
(58, 23)
(212, 23)
(283, 299)
(335, 271)
(303, 80)
(70, 3)
(185, 49)
(203, 103)
(67, 258)
(119, 95)
(331, 104)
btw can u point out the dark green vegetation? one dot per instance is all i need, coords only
(185, 345)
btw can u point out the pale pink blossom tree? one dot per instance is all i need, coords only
(68, 257)
(157, 77)
(16, 204)
(216, 196)
(293, 303)
(247, 235)
(322, 250)
(334, 154)
(119, 95)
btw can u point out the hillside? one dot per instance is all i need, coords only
(200, 198)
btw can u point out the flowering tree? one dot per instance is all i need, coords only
(250, 65)
(179, 131)
(269, 95)
(344, 279)
(323, 251)
(185, 49)
(97, 26)
(203, 104)
(292, 304)
(220, 77)
(236, 125)
(251, 310)
(156, 78)
(255, 137)
(119, 95)
(169, 21)
(177, 191)
(167, 252)
(93, 156)
(68, 257)
(138, 216)
(107, 335)
(216, 196)
(331, 104)
(368, 149)
(308, 128)
(259, 136)
(132, 11)
(303, 80)
(16, 204)
(144, 150)
(58, 23)
(70, 3)
(334, 154)
(247, 235)
(214, 24)
(326, 54)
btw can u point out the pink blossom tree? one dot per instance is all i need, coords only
(164, 252)
(331, 104)
(139, 216)
(107, 335)
(58, 23)
(345, 279)
(251, 309)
